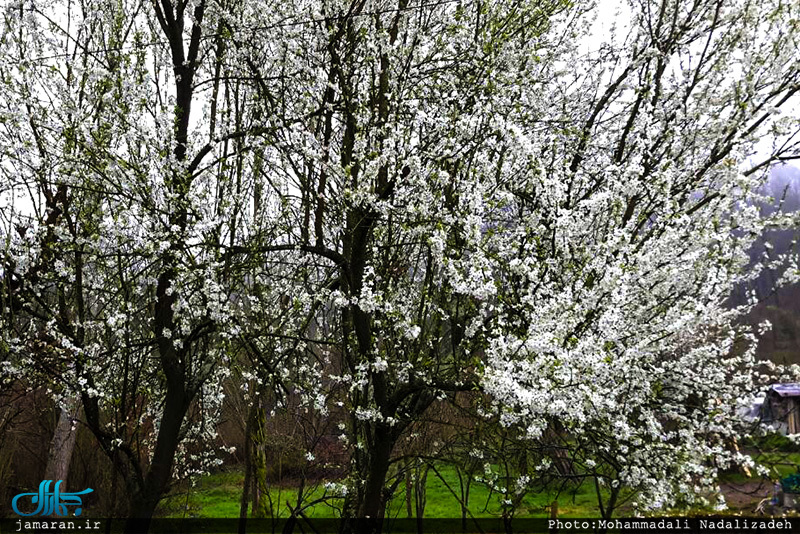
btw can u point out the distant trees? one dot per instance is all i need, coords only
(367, 206)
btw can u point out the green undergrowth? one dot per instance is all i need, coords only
(219, 495)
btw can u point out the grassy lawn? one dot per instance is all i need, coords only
(219, 495)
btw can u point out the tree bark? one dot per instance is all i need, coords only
(248, 474)
(145, 501)
(63, 442)
(373, 505)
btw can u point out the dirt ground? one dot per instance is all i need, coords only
(752, 498)
(744, 497)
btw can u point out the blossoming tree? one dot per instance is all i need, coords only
(119, 194)
(632, 203)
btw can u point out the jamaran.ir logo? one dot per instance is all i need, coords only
(49, 503)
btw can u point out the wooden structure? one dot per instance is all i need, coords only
(782, 407)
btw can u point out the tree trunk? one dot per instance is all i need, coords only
(421, 495)
(248, 473)
(144, 502)
(258, 459)
(465, 501)
(374, 498)
(63, 442)
(370, 510)
(409, 490)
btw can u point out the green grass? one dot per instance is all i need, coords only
(780, 463)
(218, 495)
(441, 502)
(214, 495)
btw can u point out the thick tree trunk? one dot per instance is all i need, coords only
(364, 515)
(255, 462)
(63, 442)
(144, 502)
(374, 501)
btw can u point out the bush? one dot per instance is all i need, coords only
(791, 484)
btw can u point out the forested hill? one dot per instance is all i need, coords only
(780, 306)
